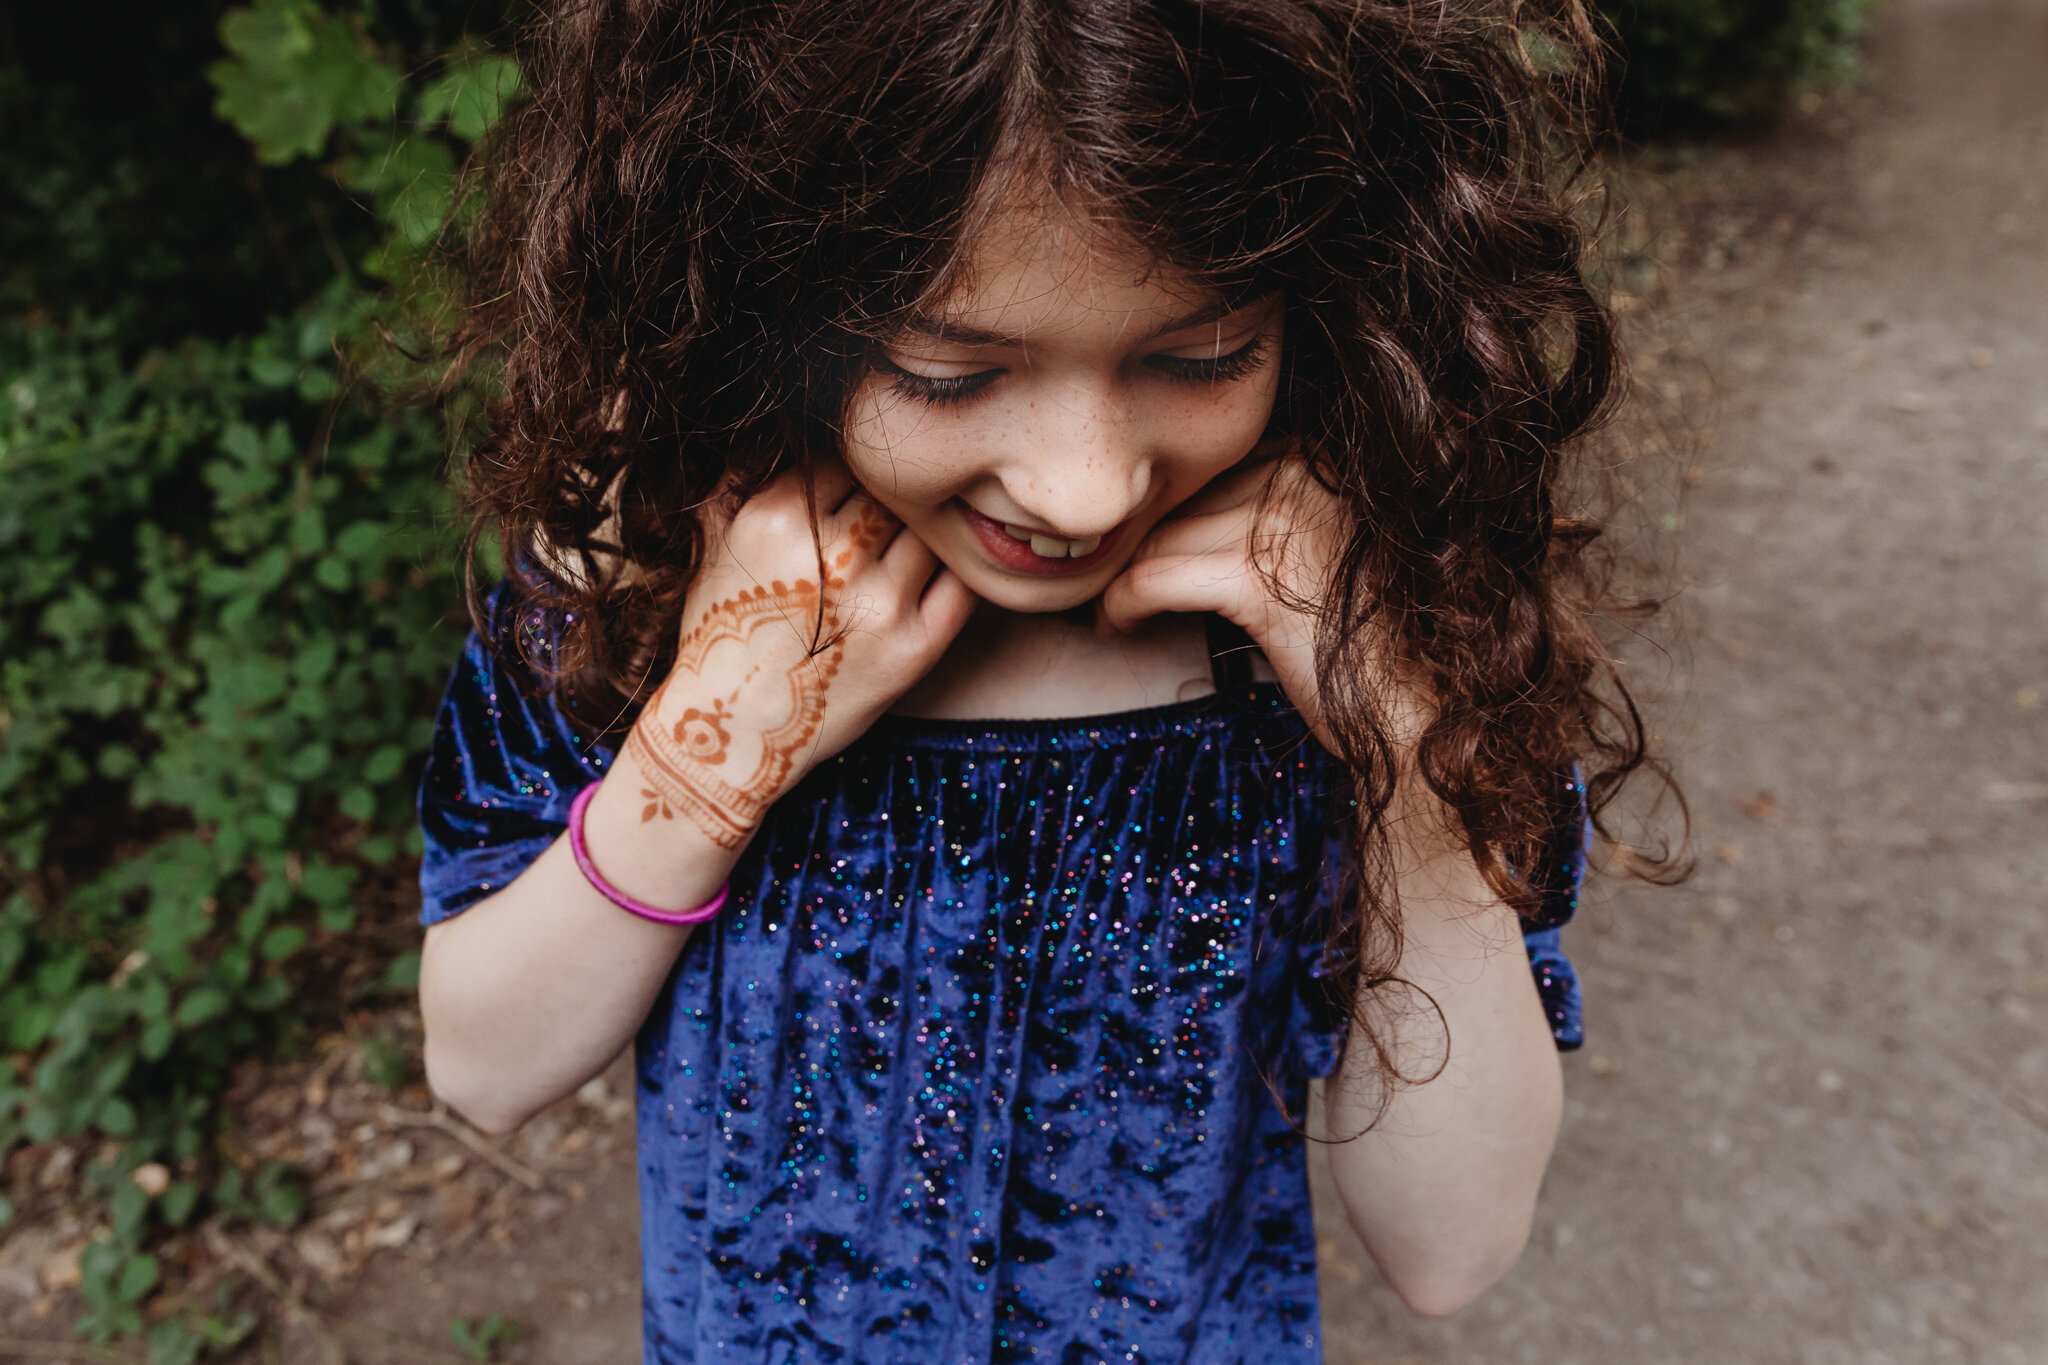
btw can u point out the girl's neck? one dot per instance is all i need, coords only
(1017, 666)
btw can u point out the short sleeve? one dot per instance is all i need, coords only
(1561, 879)
(1319, 1026)
(504, 766)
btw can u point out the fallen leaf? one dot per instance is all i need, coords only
(395, 1233)
(1762, 806)
(59, 1269)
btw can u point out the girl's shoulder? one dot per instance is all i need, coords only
(504, 763)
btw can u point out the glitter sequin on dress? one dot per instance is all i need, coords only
(980, 1062)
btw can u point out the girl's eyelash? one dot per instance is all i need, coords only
(1215, 370)
(936, 391)
(939, 391)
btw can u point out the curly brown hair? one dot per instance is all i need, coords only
(707, 212)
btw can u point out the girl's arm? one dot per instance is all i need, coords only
(1443, 1188)
(532, 991)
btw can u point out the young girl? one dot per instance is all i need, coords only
(1038, 628)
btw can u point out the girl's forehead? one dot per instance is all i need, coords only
(1038, 268)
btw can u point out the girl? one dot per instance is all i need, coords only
(1038, 628)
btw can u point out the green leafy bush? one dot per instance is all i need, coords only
(1692, 63)
(228, 596)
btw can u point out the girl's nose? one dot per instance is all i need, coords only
(1080, 468)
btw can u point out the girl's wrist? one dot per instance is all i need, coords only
(665, 863)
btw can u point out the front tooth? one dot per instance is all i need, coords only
(1017, 532)
(1084, 547)
(1048, 548)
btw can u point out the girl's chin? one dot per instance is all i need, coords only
(1031, 596)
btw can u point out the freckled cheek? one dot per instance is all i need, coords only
(1209, 435)
(912, 461)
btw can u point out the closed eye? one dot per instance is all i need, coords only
(940, 390)
(932, 389)
(1213, 369)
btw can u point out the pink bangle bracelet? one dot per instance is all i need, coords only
(611, 893)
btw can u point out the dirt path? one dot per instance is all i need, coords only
(1812, 1121)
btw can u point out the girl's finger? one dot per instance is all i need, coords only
(908, 559)
(1214, 533)
(944, 609)
(1190, 583)
(867, 526)
(1238, 487)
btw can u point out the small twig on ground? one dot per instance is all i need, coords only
(259, 1269)
(436, 1117)
(63, 1350)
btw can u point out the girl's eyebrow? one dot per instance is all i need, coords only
(942, 329)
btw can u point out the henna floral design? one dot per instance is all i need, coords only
(701, 734)
(678, 758)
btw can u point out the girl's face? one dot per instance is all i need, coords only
(1037, 426)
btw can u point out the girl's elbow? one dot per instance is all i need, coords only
(1443, 1283)
(1442, 1291)
(480, 1105)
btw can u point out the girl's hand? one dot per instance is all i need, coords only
(1266, 515)
(776, 670)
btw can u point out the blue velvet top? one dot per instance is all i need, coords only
(987, 1056)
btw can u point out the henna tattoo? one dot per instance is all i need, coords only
(867, 530)
(678, 758)
(701, 735)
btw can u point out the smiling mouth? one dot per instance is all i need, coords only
(1027, 551)
(1045, 547)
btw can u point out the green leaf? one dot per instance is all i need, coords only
(137, 1277)
(279, 1201)
(117, 1117)
(293, 74)
(413, 182)
(130, 1205)
(282, 941)
(309, 532)
(384, 764)
(157, 1037)
(200, 1005)
(179, 1201)
(310, 761)
(363, 542)
(403, 974)
(471, 96)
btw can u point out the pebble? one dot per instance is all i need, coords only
(396, 1233)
